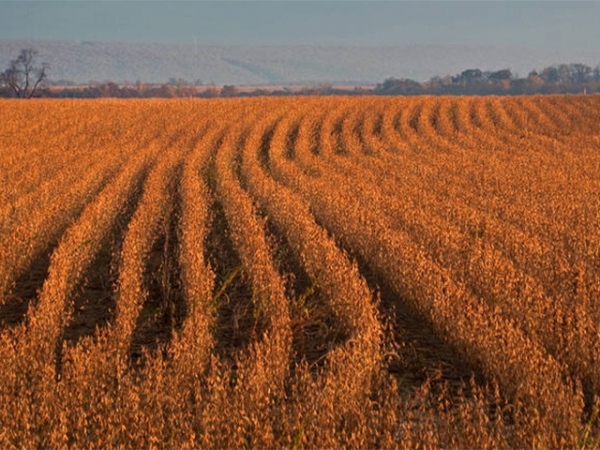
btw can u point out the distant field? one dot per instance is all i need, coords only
(300, 272)
(84, 62)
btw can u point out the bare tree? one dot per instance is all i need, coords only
(23, 76)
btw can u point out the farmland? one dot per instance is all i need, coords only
(300, 272)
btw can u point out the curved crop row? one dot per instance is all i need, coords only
(197, 276)
(76, 251)
(464, 320)
(270, 246)
(48, 217)
(153, 213)
(472, 259)
(337, 278)
(262, 370)
(249, 238)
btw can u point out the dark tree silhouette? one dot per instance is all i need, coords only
(229, 91)
(500, 75)
(23, 76)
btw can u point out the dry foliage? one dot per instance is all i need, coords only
(304, 273)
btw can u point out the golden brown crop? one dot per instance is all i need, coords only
(300, 272)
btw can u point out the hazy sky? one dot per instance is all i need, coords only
(566, 24)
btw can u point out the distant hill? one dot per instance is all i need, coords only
(82, 62)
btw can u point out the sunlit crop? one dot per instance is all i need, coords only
(300, 272)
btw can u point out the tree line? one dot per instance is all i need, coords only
(558, 79)
(25, 77)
